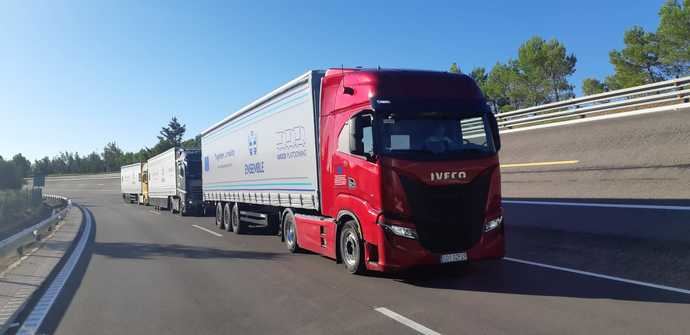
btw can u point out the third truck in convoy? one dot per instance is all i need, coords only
(378, 169)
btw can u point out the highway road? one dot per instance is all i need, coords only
(152, 272)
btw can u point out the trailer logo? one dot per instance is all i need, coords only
(252, 143)
(448, 175)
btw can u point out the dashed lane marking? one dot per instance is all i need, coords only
(207, 230)
(407, 322)
(539, 164)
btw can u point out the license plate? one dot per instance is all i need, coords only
(450, 258)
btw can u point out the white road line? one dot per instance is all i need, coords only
(35, 319)
(599, 275)
(154, 212)
(539, 164)
(592, 204)
(207, 230)
(407, 322)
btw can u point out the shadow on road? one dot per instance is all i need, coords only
(134, 250)
(513, 278)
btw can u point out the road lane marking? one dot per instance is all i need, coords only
(154, 212)
(593, 204)
(599, 275)
(407, 322)
(37, 315)
(539, 164)
(207, 230)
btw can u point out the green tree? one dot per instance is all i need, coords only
(173, 133)
(23, 164)
(592, 86)
(112, 157)
(674, 38)
(503, 87)
(545, 67)
(454, 68)
(192, 143)
(638, 62)
(10, 175)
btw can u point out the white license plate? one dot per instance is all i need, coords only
(450, 258)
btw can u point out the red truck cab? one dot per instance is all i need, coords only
(409, 171)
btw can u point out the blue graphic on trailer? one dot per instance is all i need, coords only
(207, 164)
(252, 143)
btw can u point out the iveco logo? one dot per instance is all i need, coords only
(446, 175)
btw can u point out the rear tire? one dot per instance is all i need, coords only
(237, 225)
(227, 218)
(351, 248)
(219, 214)
(290, 232)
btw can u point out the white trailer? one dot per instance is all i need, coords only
(266, 153)
(162, 178)
(130, 182)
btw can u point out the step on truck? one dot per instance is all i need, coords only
(174, 181)
(378, 169)
(130, 182)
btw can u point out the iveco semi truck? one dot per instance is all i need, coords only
(174, 180)
(378, 169)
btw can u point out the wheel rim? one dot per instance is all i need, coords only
(219, 213)
(350, 249)
(290, 233)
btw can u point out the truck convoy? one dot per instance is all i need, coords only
(378, 169)
(170, 180)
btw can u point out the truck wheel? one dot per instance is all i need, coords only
(237, 225)
(219, 214)
(351, 250)
(227, 218)
(290, 233)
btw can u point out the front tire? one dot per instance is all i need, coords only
(290, 232)
(351, 248)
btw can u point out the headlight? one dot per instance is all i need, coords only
(401, 231)
(493, 224)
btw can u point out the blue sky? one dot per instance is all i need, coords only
(76, 75)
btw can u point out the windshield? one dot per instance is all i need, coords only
(434, 137)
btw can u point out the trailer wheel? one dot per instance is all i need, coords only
(351, 250)
(227, 218)
(290, 232)
(237, 225)
(219, 214)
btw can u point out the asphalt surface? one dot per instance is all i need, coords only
(644, 157)
(148, 272)
(152, 272)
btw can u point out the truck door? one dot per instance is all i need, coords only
(355, 170)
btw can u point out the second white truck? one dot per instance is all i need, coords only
(175, 180)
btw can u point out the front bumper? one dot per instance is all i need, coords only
(395, 253)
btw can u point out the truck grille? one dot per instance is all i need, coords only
(448, 218)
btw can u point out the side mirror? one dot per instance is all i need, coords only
(493, 123)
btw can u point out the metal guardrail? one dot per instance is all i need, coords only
(15, 245)
(662, 94)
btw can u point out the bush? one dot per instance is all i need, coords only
(18, 205)
(11, 176)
